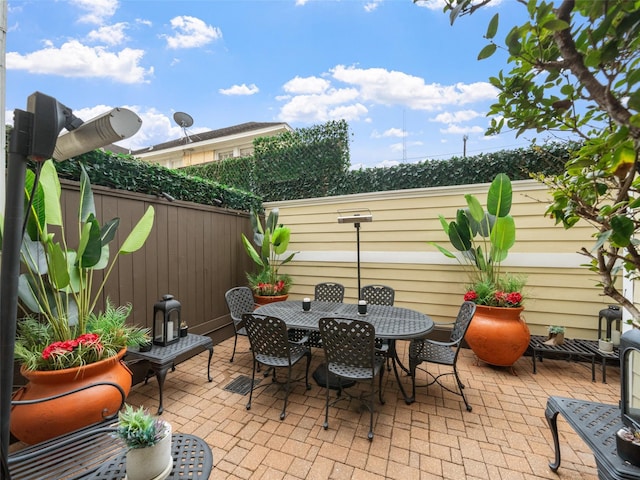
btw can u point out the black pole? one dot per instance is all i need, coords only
(357, 225)
(10, 270)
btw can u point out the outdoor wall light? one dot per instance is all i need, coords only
(356, 217)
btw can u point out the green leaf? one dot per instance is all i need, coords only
(87, 206)
(90, 249)
(475, 209)
(492, 29)
(51, 188)
(500, 196)
(108, 230)
(280, 240)
(503, 234)
(623, 228)
(487, 51)
(555, 25)
(443, 250)
(252, 251)
(459, 235)
(58, 273)
(139, 234)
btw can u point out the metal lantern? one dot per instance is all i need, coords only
(166, 321)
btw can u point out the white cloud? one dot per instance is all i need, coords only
(240, 90)
(456, 117)
(438, 5)
(191, 32)
(73, 59)
(109, 34)
(372, 5)
(97, 10)
(308, 99)
(308, 85)
(457, 129)
(392, 132)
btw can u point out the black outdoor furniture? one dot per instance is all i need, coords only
(329, 292)
(270, 346)
(240, 301)
(605, 357)
(570, 349)
(597, 424)
(377, 294)
(393, 323)
(350, 353)
(192, 458)
(161, 359)
(442, 353)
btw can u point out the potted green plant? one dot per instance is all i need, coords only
(272, 242)
(497, 335)
(184, 328)
(556, 335)
(148, 441)
(63, 342)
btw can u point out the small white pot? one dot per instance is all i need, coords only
(150, 463)
(605, 346)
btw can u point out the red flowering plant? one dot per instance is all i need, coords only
(482, 239)
(106, 334)
(272, 241)
(58, 292)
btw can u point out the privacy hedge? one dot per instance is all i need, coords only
(127, 173)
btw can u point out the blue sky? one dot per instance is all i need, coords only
(407, 82)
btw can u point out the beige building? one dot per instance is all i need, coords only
(211, 146)
(395, 250)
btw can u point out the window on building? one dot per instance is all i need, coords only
(225, 155)
(246, 152)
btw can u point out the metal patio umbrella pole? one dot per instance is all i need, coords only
(356, 217)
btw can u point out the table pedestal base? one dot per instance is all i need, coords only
(320, 376)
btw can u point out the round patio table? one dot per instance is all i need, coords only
(391, 323)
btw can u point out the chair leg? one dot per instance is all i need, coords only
(371, 402)
(235, 342)
(325, 425)
(306, 375)
(461, 387)
(253, 378)
(286, 393)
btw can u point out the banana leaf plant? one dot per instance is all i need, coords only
(58, 281)
(483, 238)
(272, 242)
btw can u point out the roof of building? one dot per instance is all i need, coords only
(211, 134)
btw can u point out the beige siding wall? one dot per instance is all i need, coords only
(394, 250)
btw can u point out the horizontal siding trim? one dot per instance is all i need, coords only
(544, 260)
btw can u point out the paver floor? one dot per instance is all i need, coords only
(505, 437)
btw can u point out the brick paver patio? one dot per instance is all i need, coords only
(505, 437)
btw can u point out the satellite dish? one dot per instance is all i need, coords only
(184, 120)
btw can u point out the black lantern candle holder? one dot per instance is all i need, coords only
(166, 321)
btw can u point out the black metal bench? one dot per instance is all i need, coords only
(570, 349)
(592, 345)
(597, 424)
(74, 455)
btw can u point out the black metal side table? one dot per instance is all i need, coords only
(192, 458)
(161, 359)
(571, 348)
(597, 424)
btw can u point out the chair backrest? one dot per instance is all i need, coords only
(378, 294)
(267, 335)
(240, 301)
(463, 320)
(348, 342)
(329, 292)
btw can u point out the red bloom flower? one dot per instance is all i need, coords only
(514, 298)
(470, 296)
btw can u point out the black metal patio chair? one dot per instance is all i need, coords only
(329, 292)
(240, 301)
(381, 295)
(350, 354)
(442, 353)
(270, 346)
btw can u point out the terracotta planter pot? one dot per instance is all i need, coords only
(266, 299)
(498, 335)
(42, 421)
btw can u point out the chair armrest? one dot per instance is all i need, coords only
(301, 341)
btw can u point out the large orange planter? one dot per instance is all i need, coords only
(42, 421)
(266, 299)
(498, 335)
